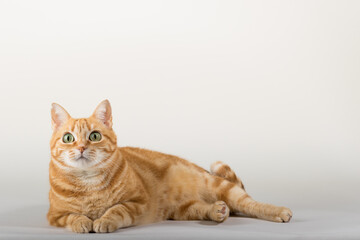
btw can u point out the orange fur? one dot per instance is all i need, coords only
(107, 187)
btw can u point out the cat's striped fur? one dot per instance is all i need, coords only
(97, 186)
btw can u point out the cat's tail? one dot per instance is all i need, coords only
(223, 170)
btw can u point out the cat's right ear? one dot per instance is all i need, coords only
(59, 116)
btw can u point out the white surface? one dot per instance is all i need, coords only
(30, 223)
(269, 87)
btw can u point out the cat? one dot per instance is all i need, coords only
(96, 186)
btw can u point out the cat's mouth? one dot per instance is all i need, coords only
(82, 158)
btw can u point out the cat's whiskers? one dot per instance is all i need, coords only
(60, 165)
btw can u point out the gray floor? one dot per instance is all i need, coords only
(30, 223)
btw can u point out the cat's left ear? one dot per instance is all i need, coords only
(103, 113)
(59, 116)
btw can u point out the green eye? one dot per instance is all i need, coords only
(68, 138)
(95, 137)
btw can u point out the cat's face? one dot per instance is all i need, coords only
(82, 143)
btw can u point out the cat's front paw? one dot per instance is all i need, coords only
(103, 225)
(82, 225)
(284, 215)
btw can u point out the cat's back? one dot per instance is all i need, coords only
(156, 166)
(148, 162)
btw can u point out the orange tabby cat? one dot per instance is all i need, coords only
(97, 186)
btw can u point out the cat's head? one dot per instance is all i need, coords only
(85, 142)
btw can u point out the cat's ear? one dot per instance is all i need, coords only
(59, 116)
(103, 113)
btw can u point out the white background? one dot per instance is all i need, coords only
(269, 87)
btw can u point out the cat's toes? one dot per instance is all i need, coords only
(284, 215)
(220, 211)
(82, 225)
(104, 226)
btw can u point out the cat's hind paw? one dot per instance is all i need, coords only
(220, 211)
(284, 215)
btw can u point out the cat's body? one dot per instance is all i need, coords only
(97, 186)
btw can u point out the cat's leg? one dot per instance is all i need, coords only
(76, 222)
(200, 210)
(239, 201)
(119, 216)
(223, 170)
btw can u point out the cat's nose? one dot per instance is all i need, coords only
(82, 149)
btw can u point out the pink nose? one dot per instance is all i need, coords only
(82, 149)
